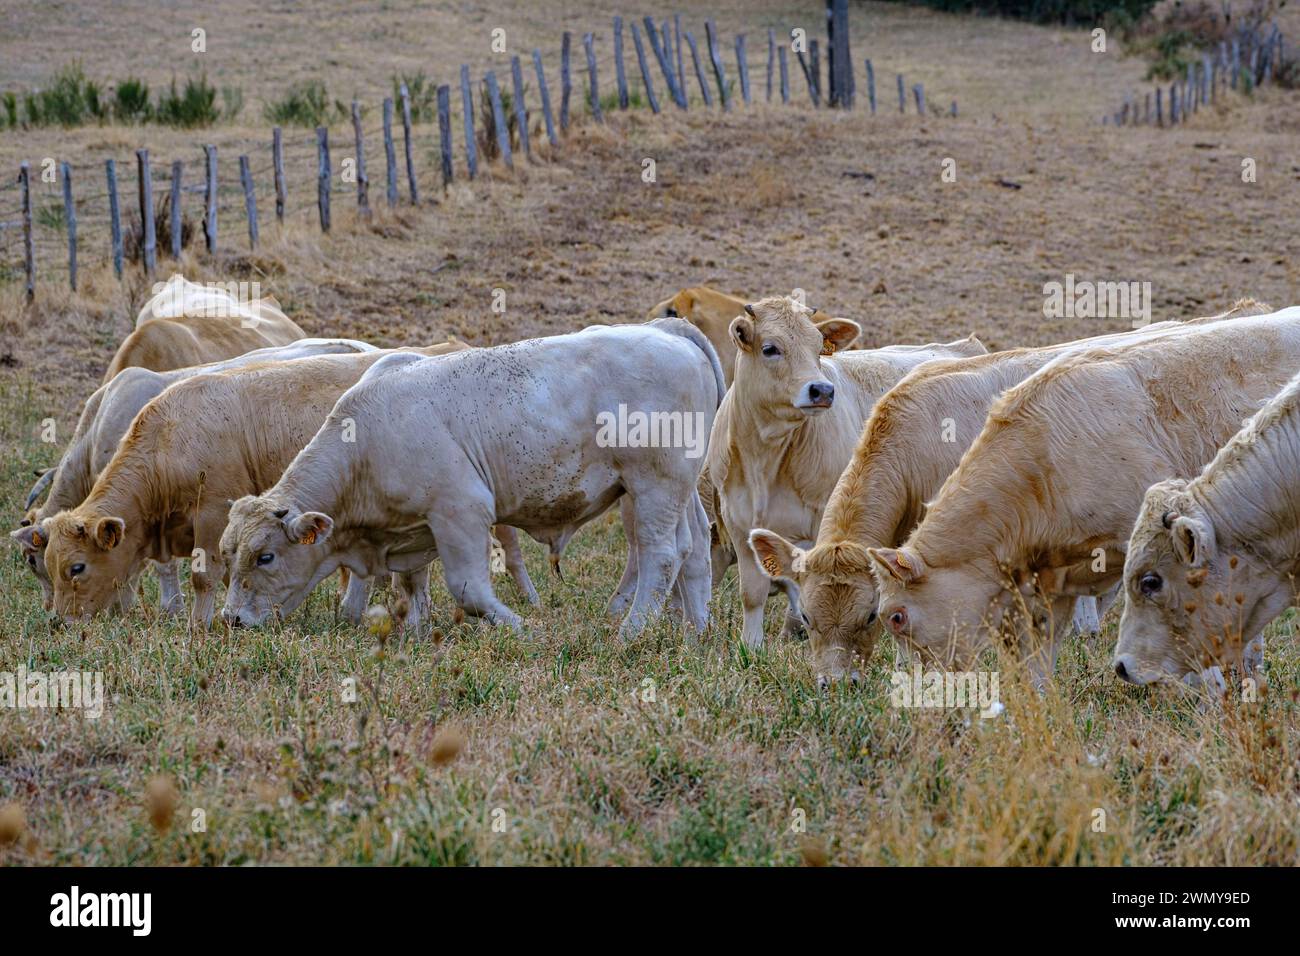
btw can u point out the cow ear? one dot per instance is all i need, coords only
(1193, 541)
(776, 556)
(30, 538)
(838, 334)
(311, 527)
(742, 332)
(902, 564)
(108, 532)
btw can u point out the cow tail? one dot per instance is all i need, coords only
(684, 329)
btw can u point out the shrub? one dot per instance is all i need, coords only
(193, 106)
(131, 101)
(70, 100)
(305, 104)
(423, 93)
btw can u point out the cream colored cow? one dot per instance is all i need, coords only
(789, 424)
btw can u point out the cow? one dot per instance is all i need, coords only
(107, 415)
(188, 453)
(1213, 560)
(788, 427)
(1040, 508)
(914, 439)
(711, 312)
(187, 324)
(531, 435)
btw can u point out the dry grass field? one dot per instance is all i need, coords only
(563, 745)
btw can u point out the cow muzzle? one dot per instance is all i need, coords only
(815, 397)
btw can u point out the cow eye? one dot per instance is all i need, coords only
(1150, 583)
(265, 558)
(771, 351)
(871, 618)
(76, 569)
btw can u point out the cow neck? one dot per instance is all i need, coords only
(315, 481)
(870, 503)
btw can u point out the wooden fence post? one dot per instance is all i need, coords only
(902, 96)
(566, 81)
(677, 43)
(699, 70)
(363, 181)
(784, 60)
(521, 111)
(743, 67)
(619, 74)
(29, 247)
(390, 152)
(664, 65)
(1160, 107)
(149, 234)
(467, 107)
(771, 61)
(444, 132)
(250, 200)
(411, 184)
(593, 87)
(277, 160)
(70, 223)
(210, 198)
(1173, 104)
(809, 77)
(114, 215)
(177, 224)
(1236, 61)
(919, 93)
(711, 38)
(815, 70)
(871, 88)
(546, 98)
(645, 70)
(499, 120)
(323, 175)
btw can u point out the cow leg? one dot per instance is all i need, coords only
(793, 627)
(356, 596)
(204, 580)
(463, 539)
(694, 585)
(413, 589)
(170, 600)
(754, 585)
(658, 511)
(622, 597)
(509, 539)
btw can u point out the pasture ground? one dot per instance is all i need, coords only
(554, 732)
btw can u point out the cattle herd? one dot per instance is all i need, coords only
(949, 495)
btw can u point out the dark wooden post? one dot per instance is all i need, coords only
(646, 81)
(178, 169)
(771, 61)
(70, 222)
(677, 44)
(815, 69)
(546, 98)
(1160, 107)
(840, 56)
(444, 132)
(711, 38)
(390, 153)
(902, 96)
(363, 181)
(29, 247)
(323, 175)
(784, 60)
(277, 160)
(919, 92)
(593, 87)
(150, 243)
(411, 183)
(809, 76)
(210, 198)
(250, 200)
(699, 69)
(664, 65)
(521, 110)
(114, 215)
(620, 74)
(742, 67)
(467, 107)
(499, 120)
(566, 81)
(871, 88)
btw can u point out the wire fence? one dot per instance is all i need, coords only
(58, 217)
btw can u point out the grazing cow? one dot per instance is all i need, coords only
(1040, 508)
(529, 434)
(788, 426)
(189, 324)
(914, 439)
(107, 415)
(711, 312)
(189, 452)
(1213, 560)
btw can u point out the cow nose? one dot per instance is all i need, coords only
(1122, 672)
(821, 393)
(233, 619)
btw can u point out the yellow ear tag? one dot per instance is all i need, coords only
(770, 566)
(902, 561)
(828, 347)
(309, 537)
(37, 540)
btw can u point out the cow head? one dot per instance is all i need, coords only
(778, 358)
(88, 560)
(837, 598)
(1191, 601)
(275, 552)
